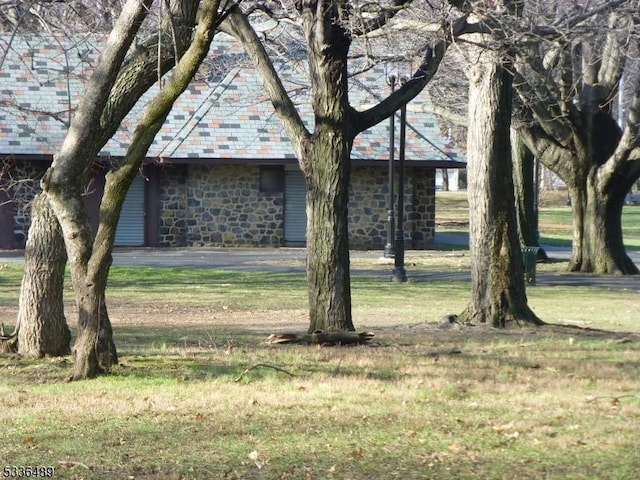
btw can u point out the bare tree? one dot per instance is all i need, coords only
(568, 74)
(91, 258)
(329, 30)
(115, 87)
(49, 16)
(498, 296)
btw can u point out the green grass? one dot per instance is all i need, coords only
(555, 219)
(189, 399)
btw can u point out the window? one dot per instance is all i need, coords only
(271, 179)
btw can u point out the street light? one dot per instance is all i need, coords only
(389, 248)
(399, 272)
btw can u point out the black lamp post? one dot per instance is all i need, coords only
(399, 272)
(388, 248)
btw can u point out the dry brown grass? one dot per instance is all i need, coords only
(424, 401)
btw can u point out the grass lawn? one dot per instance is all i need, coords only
(195, 395)
(555, 220)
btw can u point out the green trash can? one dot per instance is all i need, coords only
(529, 259)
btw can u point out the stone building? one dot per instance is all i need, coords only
(221, 171)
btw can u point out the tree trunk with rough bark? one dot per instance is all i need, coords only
(327, 235)
(525, 189)
(42, 326)
(598, 244)
(498, 296)
(326, 168)
(115, 90)
(324, 155)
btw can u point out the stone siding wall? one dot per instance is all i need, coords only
(422, 216)
(21, 185)
(172, 205)
(221, 205)
(368, 207)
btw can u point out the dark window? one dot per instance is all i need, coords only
(271, 179)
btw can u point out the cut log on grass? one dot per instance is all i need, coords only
(320, 337)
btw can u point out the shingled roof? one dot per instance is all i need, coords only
(224, 117)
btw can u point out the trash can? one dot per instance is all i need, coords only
(529, 259)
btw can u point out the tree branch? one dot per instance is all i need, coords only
(76, 147)
(263, 365)
(424, 73)
(154, 116)
(381, 19)
(237, 25)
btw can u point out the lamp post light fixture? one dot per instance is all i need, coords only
(399, 272)
(389, 248)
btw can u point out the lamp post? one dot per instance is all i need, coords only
(399, 272)
(389, 248)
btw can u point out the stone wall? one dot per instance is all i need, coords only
(20, 185)
(224, 207)
(422, 216)
(221, 205)
(368, 207)
(172, 206)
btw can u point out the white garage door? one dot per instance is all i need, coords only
(130, 232)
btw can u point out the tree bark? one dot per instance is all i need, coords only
(326, 169)
(324, 156)
(116, 88)
(498, 296)
(598, 245)
(42, 326)
(329, 284)
(525, 189)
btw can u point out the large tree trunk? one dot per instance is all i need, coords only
(42, 327)
(498, 296)
(598, 245)
(328, 236)
(326, 168)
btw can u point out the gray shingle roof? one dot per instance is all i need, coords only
(229, 117)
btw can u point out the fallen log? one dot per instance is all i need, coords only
(320, 337)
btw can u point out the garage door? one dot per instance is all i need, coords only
(295, 209)
(130, 232)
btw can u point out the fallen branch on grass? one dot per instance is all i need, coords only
(321, 337)
(69, 463)
(613, 399)
(264, 365)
